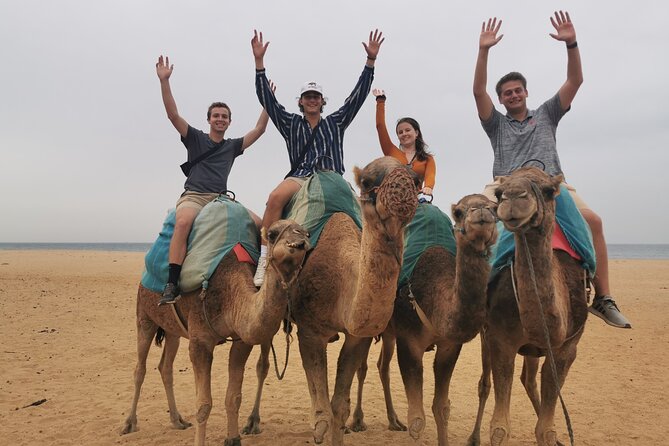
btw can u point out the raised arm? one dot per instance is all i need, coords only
(389, 149)
(164, 71)
(373, 46)
(259, 48)
(565, 32)
(487, 40)
(256, 132)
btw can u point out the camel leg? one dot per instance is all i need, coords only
(201, 357)
(545, 429)
(529, 379)
(239, 354)
(358, 419)
(383, 364)
(262, 368)
(166, 367)
(315, 364)
(146, 329)
(502, 361)
(352, 353)
(444, 364)
(410, 359)
(484, 387)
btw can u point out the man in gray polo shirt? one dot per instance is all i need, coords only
(523, 135)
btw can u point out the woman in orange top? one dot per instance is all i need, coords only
(412, 150)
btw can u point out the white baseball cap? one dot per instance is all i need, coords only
(311, 86)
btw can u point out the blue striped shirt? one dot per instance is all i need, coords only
(327, 150)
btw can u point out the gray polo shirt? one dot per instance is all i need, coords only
(514, 143)
(211, 174)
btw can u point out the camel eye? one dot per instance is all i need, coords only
(272, 235)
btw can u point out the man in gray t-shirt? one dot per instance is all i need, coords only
(208, 177)
(523, 136)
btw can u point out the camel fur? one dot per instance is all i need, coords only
(235, 309)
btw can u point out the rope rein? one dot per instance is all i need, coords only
(551, 357)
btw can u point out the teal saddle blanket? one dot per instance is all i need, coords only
(573, 225)
(429, 227)
(322, 195)
(219, 226)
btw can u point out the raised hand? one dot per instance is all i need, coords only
(375, 40)
(489, 37)
(163, 68)
(378, 92)
(258, 45)
(565, 31)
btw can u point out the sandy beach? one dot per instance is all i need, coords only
(68, 333)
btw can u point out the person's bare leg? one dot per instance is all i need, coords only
(278, 198)
(603, 305)
(178, 245)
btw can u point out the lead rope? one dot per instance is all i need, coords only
(548, 340)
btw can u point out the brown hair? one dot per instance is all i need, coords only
(218, 105)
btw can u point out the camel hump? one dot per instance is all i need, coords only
(324, 194)
(429, 227)
(218, 228)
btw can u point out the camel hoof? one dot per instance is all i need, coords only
(129, 426)
(474, 440)
(319, 431)
(498, 436)
(237, 441)
(252, 426)
(181, 424)
(356, 426)
(550, 439)
(416, 428)
(394, 424)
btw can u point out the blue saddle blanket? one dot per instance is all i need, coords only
(429, 227)
(572, 223)
(219, 226)
(322, 195)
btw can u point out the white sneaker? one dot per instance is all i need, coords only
(259, 278)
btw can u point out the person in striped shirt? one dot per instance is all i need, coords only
(313, 142)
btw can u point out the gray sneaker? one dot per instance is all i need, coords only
(605, 307)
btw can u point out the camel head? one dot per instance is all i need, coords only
(288, 244)
(388, 191)
(476, 221)
(527, 199)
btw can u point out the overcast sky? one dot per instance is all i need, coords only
(88, 155)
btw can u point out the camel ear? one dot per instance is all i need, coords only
(356, 174)
(552, 190)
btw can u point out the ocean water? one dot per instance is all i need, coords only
(616, 251)
(130, 247)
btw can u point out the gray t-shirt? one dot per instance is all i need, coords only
(515, 143)
(211, 174)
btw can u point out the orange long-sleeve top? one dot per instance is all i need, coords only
(426, 170)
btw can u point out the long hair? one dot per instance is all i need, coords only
(421, 146)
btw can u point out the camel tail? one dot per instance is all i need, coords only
(160, 335)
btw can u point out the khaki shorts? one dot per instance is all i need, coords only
(299, 180)
(195, 200)
(489, 192)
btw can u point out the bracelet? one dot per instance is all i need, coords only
(381, 97)
(572, 45)
(371, 58)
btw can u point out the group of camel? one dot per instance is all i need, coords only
(348, 284)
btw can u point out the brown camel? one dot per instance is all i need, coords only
(348, 285)
(549, 305)
(233, 308)
(451, 293)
